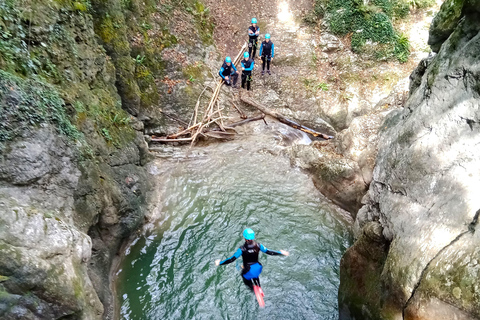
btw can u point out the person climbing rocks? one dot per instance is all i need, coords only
(267, 51)
(249, 252)
(229, 73)
(253, 33)
(247, 68)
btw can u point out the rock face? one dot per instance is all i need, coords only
(73, 184)
(342, 170)
(424, 193)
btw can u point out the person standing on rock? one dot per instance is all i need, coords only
(249, 252)
(267, 51)
(229, 73)
(247, 68)
(253, 33)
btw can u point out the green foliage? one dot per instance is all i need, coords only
(370, 26)
(318, 12)
(106, 134)
(30, 103)
(139, 59)
(314, 85)
(402, 48)
(194, 71)
(203, 21)
(110, 120)
(421, 4)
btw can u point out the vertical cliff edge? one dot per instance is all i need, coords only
(417, 249)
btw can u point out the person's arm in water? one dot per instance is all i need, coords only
(273, 252)
(235, 256)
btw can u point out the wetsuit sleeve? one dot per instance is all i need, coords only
(221, 73)
(236, 255)
(243, 66)
(270, 252)
(261, 49)
(251, 66)
(234, 68)
(250, 32)
(258, 31)
(273, 49)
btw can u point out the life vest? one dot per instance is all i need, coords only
(250, 253)
(247, 64)
(254, 30)
(227, 70)
(267, 48)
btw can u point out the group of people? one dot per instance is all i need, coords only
(229, 72)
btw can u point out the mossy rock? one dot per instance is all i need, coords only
(444, 23)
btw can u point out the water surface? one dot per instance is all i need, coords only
(205, 204)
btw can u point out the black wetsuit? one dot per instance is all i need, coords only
(230, 71)
(267, 52)
(253, 40)
(251, 267)
(247, 66)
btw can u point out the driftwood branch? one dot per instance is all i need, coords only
(242, 114)
(239, 123)
(212, 114)
(174, 118)
(284, 120)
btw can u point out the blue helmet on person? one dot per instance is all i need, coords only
(248, 234)
(254, 20)
(267, 36)
(228, 60)
(246, 55)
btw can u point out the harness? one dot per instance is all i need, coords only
(253, 40)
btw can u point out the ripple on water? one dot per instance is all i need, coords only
(169, 274)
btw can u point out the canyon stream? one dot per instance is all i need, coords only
(206, 197)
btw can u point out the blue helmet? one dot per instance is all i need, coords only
(267, 36)
(249, 234)
(246, 55)
(254, 20)
(228, 60)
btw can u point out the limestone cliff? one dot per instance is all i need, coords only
(80, 83)
(417, 251)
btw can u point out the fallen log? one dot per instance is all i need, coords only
(171, 140)
(242, 114)
(174, 118)
(184, 132)
(284, 120)
(219, 135)
(239, 123)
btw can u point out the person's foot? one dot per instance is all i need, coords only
(263, 72)
(268, 71)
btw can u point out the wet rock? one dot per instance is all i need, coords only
(337, 177)
(360, 274)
